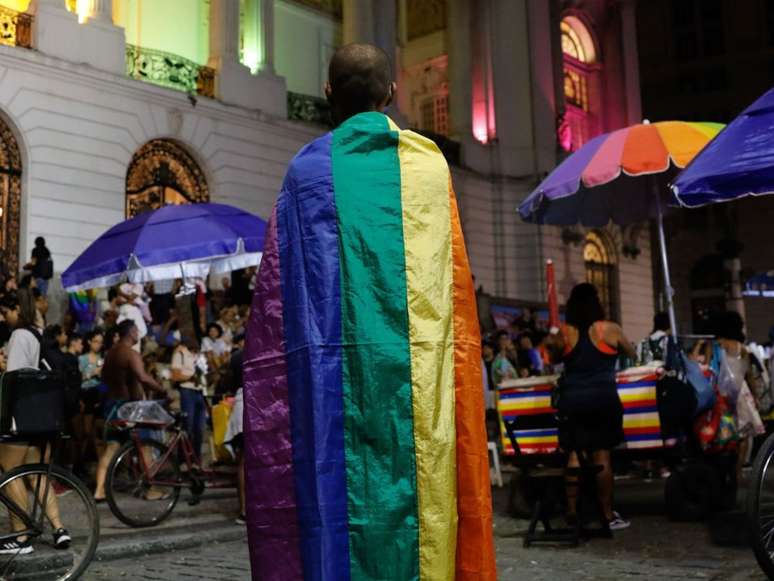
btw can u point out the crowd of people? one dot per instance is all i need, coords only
(587, 351)
(183, 343)
(168, 341)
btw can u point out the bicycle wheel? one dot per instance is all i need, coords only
(64, 502)
(760, 507)
(135, 499)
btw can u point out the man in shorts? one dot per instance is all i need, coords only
(125, 377)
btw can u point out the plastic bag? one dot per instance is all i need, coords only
(727, 384)
(748, 419)
(702, 386)
(145, 412)
(716, 429)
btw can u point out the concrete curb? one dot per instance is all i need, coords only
(166, 540)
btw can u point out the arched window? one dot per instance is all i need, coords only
(10, 196)
(600, 271)
(162, 172)
(579, 69)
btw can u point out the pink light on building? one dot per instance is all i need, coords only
(482, 83)
(484, 125)
(480, 129)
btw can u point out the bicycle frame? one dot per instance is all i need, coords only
(179, 439)
(179, 442)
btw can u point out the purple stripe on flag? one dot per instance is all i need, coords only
(273, 529)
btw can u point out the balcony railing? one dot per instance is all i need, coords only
(169, 70)
(15, 28)
(309, 109)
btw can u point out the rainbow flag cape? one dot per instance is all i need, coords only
(365, 446)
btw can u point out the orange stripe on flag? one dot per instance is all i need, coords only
(475, 543)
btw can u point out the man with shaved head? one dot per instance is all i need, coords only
(365, 446)
(359, 80)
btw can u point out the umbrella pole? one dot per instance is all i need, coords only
(670, 292)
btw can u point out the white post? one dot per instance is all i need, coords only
(668, 289)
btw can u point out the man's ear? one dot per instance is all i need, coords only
(391, 94)
(328, 91)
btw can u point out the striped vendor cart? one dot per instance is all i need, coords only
(529, 437)
(524, 410)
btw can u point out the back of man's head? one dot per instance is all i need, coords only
(359, 80)
(125, 328)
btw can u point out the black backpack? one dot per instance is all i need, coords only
(53, 360)
(47, 269)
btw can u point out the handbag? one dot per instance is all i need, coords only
(680, 367)
(32, 401)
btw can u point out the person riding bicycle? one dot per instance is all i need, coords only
(125, 376)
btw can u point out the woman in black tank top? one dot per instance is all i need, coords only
(590, 411)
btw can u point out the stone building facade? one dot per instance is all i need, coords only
(110, 107)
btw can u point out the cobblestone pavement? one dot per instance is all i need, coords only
(652, 549)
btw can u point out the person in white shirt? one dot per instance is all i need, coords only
(215, 348)
(129, 311)
(654, 346)
(189, 370)
(227, 322)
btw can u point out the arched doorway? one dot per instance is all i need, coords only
(600, 271)
(10, 197)
(161, 173)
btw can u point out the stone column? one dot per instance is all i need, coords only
(459, 71)
(97, 42)
(234, 83)
(375, 22)
(101, 10)
(224, 32)
(266, 32)
(358, 21)
(631, 62)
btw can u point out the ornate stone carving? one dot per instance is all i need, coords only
(10, 197)
(309, 109)
(169, 70)
(424, 17)
(15, 28)
(162, 172)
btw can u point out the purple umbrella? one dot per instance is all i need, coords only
(738, 163)
(183, 241)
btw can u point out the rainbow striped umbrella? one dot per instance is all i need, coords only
(599, 184)
(596, 185)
